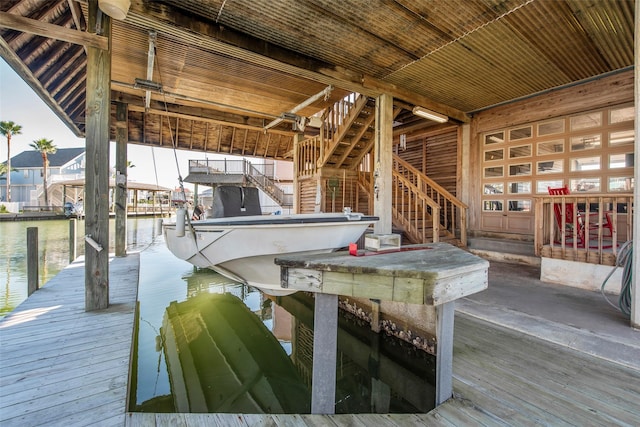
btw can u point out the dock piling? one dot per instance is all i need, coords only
(32, 260)
(73, 241)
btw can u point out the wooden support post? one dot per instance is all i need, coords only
(444, 351)
(382, 173)
(121, 179)
(375, 315)
(325, 348)
(96, 201)
(297, 167)
(32, 260)
(73, 239)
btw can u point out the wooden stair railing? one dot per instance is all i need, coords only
(338, 120)
(452, 215)
(414, 211)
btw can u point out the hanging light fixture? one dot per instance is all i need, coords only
(117, 9)
(430, 115)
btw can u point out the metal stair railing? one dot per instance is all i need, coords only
(268, 185)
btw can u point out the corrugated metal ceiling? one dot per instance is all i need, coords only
(244, 56)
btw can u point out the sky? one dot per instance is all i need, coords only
(20, 104)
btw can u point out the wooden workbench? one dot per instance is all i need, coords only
(434, 275)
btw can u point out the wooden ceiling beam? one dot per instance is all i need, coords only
(70, 80)
(49, 53)
(160, 112)
(33, 26)
(48, 17)
(197, 31)
(71, 90)
(71, 63)
(78, 17)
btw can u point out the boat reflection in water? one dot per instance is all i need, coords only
(222, 358)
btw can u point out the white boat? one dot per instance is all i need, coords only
(243, 247)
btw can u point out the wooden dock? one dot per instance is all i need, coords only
(501, 378)
(60, 366)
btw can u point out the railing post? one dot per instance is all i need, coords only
(32, 260)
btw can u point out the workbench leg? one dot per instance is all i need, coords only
(444, 356)
(325, 348)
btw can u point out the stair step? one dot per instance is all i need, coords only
(502, 245)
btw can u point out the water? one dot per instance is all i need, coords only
(206, 344)
(53, 250)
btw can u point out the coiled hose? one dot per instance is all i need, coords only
(624, 260)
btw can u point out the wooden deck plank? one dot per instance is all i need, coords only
(534, 400)
(57, 382)
(580, 392)
(552, 384)
(317, 421)
(94, 408)
(458, 412)
(71, 368)
(78, 344)
(62, 365)
(600, 386)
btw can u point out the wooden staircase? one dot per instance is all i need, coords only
(347, 131)
(422, 209)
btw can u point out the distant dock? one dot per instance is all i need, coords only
(43, 216)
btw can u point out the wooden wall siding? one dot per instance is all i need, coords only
(307, 194)
(442, 159)
(603, 92)
(414, 154)
(435, 155)
(348, 194)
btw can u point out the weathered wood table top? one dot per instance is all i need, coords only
(430, 274)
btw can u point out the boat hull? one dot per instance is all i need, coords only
(244, 248)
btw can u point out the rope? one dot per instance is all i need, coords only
(173, 141)
(624, 260)
(166, 110)
(175, 156)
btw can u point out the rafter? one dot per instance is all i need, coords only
(32, 26)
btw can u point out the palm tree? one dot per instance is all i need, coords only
(45, 147)
(8, 129)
